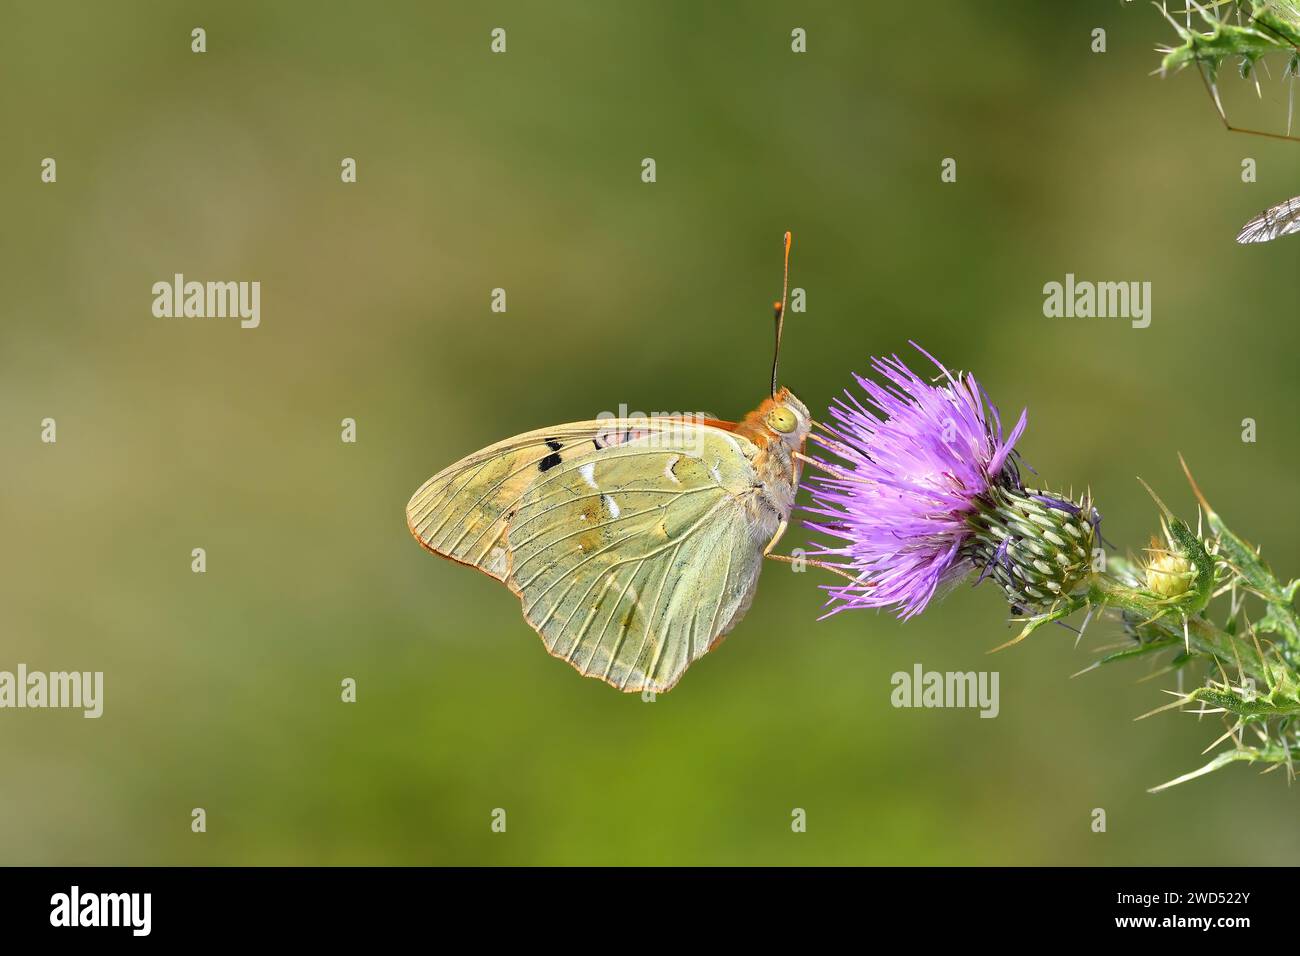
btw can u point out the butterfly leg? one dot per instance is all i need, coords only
(812, 562)
(780, 530)
(791, 559)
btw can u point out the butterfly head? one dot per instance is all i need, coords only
(783, 417)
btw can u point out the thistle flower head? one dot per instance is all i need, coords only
(912, 464)
(1038, 547)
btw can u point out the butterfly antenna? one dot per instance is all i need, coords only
(779, 309)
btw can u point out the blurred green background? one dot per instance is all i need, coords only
(522, 171)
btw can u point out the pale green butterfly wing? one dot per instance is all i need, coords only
(633, 561)
(461, 513)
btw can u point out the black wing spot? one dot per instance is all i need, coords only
(553, 459)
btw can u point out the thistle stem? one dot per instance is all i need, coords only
(1203, 636)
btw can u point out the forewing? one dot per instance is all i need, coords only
(632, 561)
(461, 512)
(1281, 220)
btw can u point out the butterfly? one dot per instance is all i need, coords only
(634, 544)
(1280, 220)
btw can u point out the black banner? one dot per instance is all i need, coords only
(239, 904)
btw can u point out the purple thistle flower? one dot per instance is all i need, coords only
(913, 464)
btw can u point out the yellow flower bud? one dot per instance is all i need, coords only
(1168, 573)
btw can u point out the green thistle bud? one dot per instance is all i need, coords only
(1037, 546)
(1182, 573)
(1169, 574)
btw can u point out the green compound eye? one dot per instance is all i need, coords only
(782, 419)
